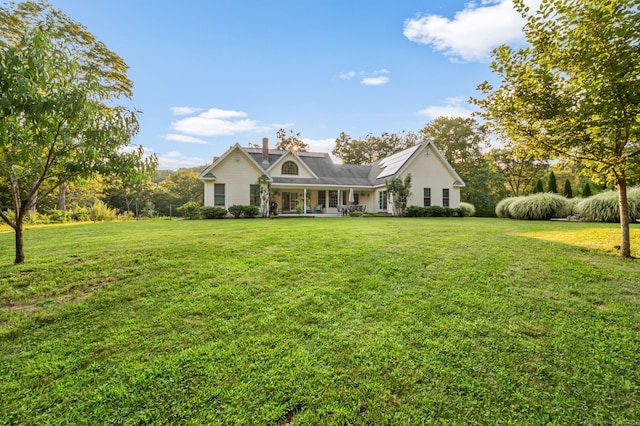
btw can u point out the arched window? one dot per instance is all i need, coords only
(289, 168)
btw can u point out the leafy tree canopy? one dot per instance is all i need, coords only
(575, 91)
(290, 141)
(372, 148)
(58, 118)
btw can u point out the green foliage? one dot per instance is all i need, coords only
(189, 210)
(542, 206)
(236, 210)
(567, 192)
(209, 212)
(60, 118)
(469, 209)
(553, 185)
(539, 188)
(502, 209)
(586, 190)
(370, 148)
(398, 191)
(572, 92)
(250, 211)
(435, 211)
(292, 141)
(603, 207)
(149, 210)
(518, 168)
(101, 212)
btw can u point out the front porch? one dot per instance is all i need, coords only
(330, 202)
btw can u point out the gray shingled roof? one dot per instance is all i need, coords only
(328, 172)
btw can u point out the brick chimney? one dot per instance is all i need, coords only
(265, 152)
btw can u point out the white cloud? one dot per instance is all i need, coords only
(174, 160)
(218, 122)
(184, 139)
(347, 75)
(454, 107)
(369, 78)
(320, 145)
(375, 81)
(473, 32)
(184, 110)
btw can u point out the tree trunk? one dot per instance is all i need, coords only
(62, 198)
(19, 244)
(623, 207)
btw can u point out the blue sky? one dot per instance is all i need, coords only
(210, 73)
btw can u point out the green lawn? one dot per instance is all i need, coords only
(320, 321)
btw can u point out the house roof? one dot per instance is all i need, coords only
(327, 173)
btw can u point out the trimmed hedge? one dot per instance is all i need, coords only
(434, 211)
(189, 210)
(209, 212)
(250, 211)
(603, 207)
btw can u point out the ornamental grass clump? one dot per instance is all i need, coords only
(539, 207)
(502, 209)
(469, 209)
(603, 207)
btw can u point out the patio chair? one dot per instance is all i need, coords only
(342, 209)
(318, 208)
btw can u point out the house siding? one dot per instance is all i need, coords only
(427, 171)
(303, 173)
(237, 175)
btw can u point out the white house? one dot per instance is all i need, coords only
(313, 183)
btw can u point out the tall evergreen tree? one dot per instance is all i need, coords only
(568, 192)
(539, 187)
(586, 190)
(553, 186)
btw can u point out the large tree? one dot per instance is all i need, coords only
(574, 92)
(462, 141)
(59, 117)
(371, 148)
(290, 141)
(519, 170)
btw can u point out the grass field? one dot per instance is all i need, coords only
(320, 321)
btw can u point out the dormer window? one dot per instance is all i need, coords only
(289, 168)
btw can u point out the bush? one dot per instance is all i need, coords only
(469, 209)
(209, 212)
(101, 212)
(149, 210)
(236, 210)
(502, 209)
(603, 207)
(250, 211)
(434, 211)
(539, 207)
(189, 210)
(81, 214)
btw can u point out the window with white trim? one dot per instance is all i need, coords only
(333, 198)
(290, 168)
(218, 194)
(254, 195)
(445, 197)
(427, 197)
(382, 201)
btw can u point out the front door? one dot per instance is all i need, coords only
(289, 201)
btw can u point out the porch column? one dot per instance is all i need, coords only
(304, 201)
